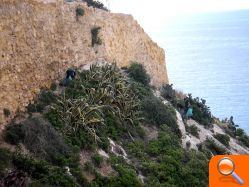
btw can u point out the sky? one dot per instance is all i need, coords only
(156, 14)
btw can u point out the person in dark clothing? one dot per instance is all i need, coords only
(70, 75)
(188, 109)
(187, 104)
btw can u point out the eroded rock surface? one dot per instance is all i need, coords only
(40, 39)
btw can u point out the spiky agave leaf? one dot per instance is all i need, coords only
(78, 114)
(104, 86)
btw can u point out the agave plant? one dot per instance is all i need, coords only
(118, 88)
(95, 91)
(106, 85)
(79, 114)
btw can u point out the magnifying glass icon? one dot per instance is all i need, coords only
(226, 167)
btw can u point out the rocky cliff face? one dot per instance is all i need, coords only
(40, 39)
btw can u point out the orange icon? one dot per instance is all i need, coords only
(229, 171)
(226, 167)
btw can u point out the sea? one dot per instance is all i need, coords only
(208, 55)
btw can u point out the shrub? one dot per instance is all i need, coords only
(79, 115)
(99, 103)
(77, 173)
(214, 147)
(223, 138)
(231, 128)
(201, 112)
(157, 113)
(79, 11)
(14, 134)
(169, 167)
(168, 92)
(5, 161)
(96, 4)
(96, 40)
(192, 129)
(45, 98)
(127, 176)
(180, 95)
(97, 159)
(136, 149)
(238, 133)
(53, 87)
(188, 144)
(89, 167)
(164, 162)
(43, 173)
(244, 140)
(166, 141)
(140, 90)
(107, 86)
(113, 128)
(195, 171)
(138, 73)
(6, 112)
(53, 117)
(15, 178)
(139, 132)
(40, 138)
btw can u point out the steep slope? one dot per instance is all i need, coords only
(103, 129)
(189, 141)
(40, 39)
(109, 127)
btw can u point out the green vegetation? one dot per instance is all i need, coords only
(201, 112)
(5, 161)
(14, 134)
(213, 147)
(138, 73)
(53, 87)
(45, 98)
(6, 112)
(231, 127)
(42, 172)
(97, 159)
(126, 176)
(158, 114)
(96, 4)
(101, 103)
(223, 138)
(165, 163)
(80, 116)
(234, 131)
(39, 138)
(96, 40)
(79, 11)
(242, 137)
(192, 129)
(168, 93)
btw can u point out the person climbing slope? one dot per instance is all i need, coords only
(70, 75)
(189, 113)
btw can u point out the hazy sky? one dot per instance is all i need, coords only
(154, 15)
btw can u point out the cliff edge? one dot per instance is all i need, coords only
(39, 40)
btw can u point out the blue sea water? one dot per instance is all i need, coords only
(208, 55)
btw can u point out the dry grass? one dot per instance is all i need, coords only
(180, 95)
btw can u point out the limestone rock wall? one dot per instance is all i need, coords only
(40, 39)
